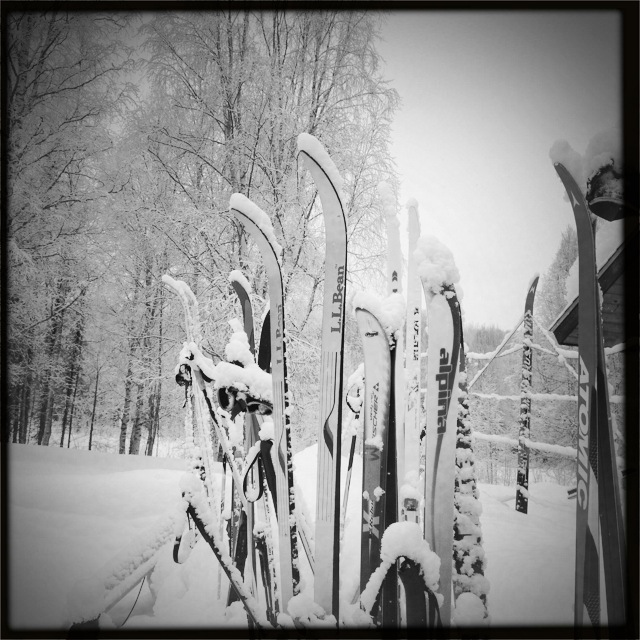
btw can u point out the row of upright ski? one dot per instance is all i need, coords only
(394, 442)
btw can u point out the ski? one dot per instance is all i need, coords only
(202, 515)
(245, 549)
(379, 497)
(327, 546)
(394, 286)
(438, 275)
(600, 544)
(259, 227)
(202, 436)
(522, 497)
(354, 398)
(412, 426)
(421, 610)
(403, 546)
(468, 554)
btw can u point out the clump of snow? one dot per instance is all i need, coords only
(237, 276)
(436, 265)
(469, 611)
(404, 539)
(311, 146)
(241, 203)
(235, 615)
(409, 492)
(250, 379)
(308, 613)
(604, 149)
(389, 311)
(267, 430)
(237, 349)
(375, 441)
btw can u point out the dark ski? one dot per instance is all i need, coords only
(522, 498)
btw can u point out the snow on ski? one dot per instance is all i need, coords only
(202, 435)
(410, 494)
(259, 226)
(439, 274)
(601, 597)
(522, 497)
(468, 552)
(327, 537)
(404, 540)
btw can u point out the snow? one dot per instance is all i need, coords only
(469, 610)
(390, 311)
(314, 148)
(237, 349)
(72, 513)
(258, 216)
(603, 149)
(435, 263)
(237, 276)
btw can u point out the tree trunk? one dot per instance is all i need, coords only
(53, 342)
(134, 443)
(154, 408)
(72, 364)
(152, 425)
(126, 408)
(73, 406)
(93, 412)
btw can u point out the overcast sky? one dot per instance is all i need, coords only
(484, 96)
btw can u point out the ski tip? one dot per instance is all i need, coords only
(315, 151)
(237, 276)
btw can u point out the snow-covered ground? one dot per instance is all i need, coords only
(72, 512)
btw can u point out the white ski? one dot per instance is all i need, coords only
(327, 537)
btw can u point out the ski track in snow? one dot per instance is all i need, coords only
(70, 512)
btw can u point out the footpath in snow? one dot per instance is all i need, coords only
(71, 512)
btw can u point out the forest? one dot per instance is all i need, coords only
(126, 135)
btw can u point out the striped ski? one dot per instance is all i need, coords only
(443, 313)
(412, 426)
(259, 227)
(327, 535)
(379, 502)
(600, 587)
(522, 498)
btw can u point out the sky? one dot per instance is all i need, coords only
(484, 96)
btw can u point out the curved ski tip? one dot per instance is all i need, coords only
(306, 142)
(237, 276)
(412, 203)
(314, 149)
